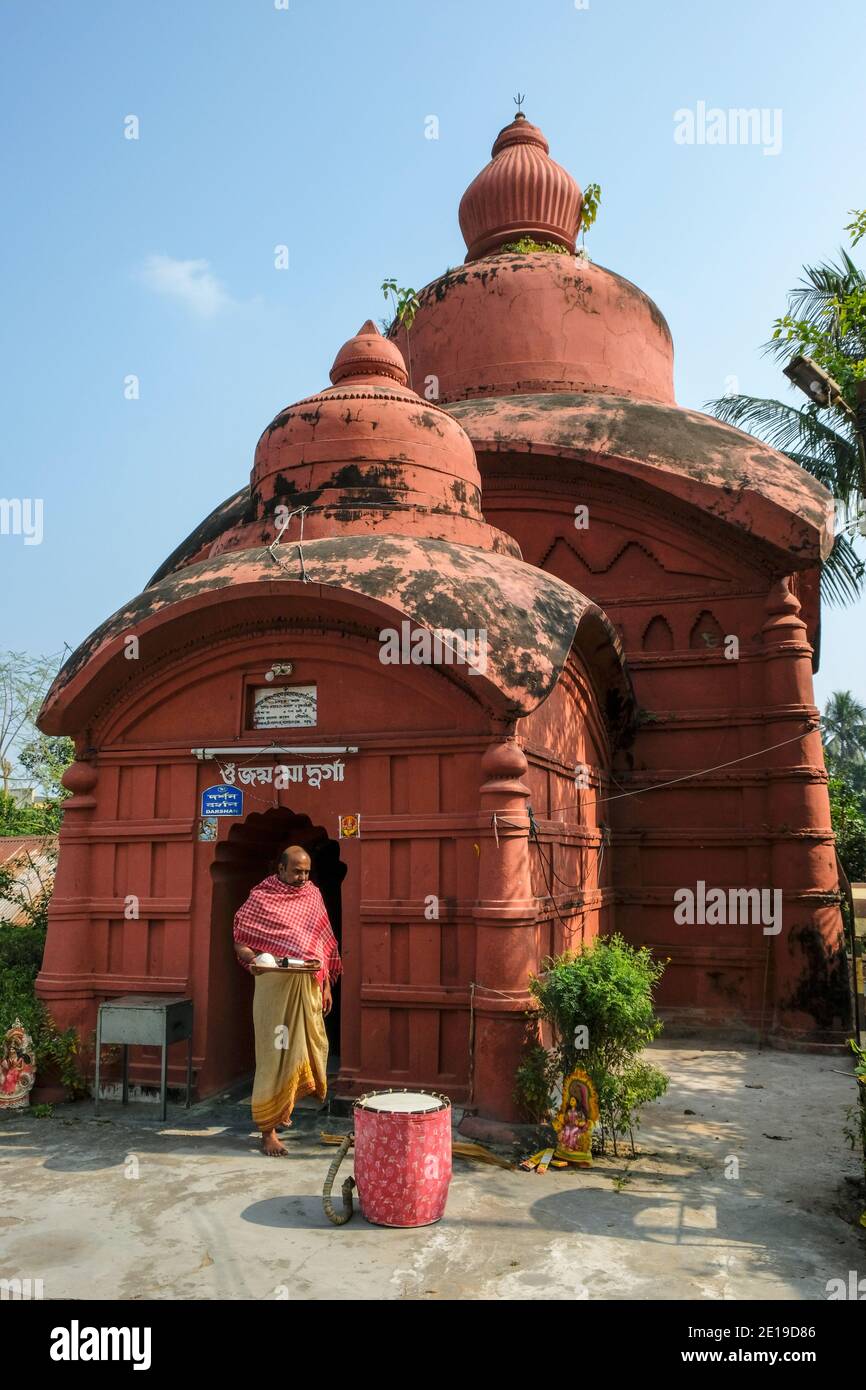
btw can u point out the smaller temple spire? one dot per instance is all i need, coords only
(367, 456)
(369, 356)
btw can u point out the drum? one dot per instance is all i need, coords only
(402, 1156)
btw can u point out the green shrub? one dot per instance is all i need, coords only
(21, 950)
(599, 1004)
(528, 244)
(621, 1096)
(534, 1081)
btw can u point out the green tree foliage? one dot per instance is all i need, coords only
(588, 217)
(848, 816)
(843, 729)
(535, 1079)
(41, 819)
(591, 205)
(857, 228)
(46, 758)
(24, 680)
(404, 302)
(21, 951)
(825, 320)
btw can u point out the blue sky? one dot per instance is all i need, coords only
(304, 126)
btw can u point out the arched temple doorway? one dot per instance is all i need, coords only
(250, 854)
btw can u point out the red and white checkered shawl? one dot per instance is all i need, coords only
(289, 920)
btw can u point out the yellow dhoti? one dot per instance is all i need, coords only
(291, 1045)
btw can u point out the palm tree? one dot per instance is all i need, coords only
(844, 729)
(829, 451)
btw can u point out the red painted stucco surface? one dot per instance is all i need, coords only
(606, 648)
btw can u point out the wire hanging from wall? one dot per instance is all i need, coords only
(272, 548)
(812, 724)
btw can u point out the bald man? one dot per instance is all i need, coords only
(286, 917)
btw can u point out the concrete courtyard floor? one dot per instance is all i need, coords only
(208, 1217)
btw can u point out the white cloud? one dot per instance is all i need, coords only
(189, 282)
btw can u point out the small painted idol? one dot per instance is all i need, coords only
(17, 1068)
(577, 1115)
(574, 1125)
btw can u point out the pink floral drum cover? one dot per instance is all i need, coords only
(17, 1068)
(402, 1156)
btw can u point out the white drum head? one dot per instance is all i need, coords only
(401, 1102)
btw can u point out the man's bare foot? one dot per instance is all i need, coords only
(272, 1146)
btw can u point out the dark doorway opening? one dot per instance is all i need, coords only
(251, 853)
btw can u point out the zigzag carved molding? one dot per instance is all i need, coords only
(617, 555)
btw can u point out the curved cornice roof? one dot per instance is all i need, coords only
(727, 474)
(530, 618)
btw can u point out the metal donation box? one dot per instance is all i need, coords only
(145, 1020)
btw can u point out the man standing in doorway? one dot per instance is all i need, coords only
(286, 916)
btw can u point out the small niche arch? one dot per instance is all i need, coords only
(658, 636)
(707, 634)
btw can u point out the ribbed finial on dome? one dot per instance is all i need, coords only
(367, 356)
(521, 192)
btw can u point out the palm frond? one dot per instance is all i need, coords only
(831, 455)
(822, 451)
(828, 455)
(814, 300)
(842, 574)
(843, 727)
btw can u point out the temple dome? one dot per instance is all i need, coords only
(541, 322)
(521, 192)
(366, 455)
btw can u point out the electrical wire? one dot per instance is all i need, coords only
(568, 932)
(301, 512)
(690, 776)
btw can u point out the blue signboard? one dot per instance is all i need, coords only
(222, 801)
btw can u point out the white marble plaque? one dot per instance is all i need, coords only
(284, 707)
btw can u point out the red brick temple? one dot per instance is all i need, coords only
(630, 715)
